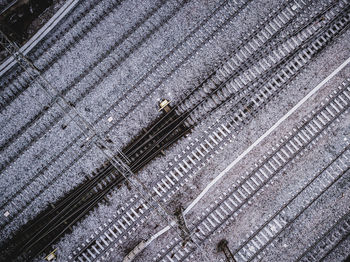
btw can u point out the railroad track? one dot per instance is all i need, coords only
(178, 177)
(141, 160)
(214, 28)
(37, 236)
(58, 115)
(321, 248)
(52, 116)
(232, 202)
(67, 8)
(15, 81)
(269, 72)
(39, 44)
(166, 184)
(254, 246)
(244, 85)
(220, 132)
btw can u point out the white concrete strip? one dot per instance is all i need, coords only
(250, 148)
(161, 232)
(268, 132)
(54, 20)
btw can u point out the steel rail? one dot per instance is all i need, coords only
(339, 17)
(187, 96)
(248, 87)
(304, 209)
(278, 212)
(34, 40)
(147, 16)
(241, 68)
(275, 172)
(158, 141)
(174, 49)
(323, 237)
